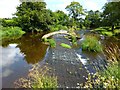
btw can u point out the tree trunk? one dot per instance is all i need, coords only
(113, 28)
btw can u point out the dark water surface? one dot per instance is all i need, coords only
(69, 65)
(18, 56)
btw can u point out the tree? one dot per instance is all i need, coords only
(111, 14)
(92, 19)
(60, 18)
(75, 12)
(33, 16)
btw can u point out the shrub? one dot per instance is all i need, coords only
(91, 43)
(11, 33)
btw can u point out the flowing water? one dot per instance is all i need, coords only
(71, 66)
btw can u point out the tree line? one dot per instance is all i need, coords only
(34, 16)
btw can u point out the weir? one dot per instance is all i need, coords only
(69, 65)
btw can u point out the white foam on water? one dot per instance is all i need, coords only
(12, 45)
(84, 61)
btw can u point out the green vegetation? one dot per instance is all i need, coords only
(106, 31)
(65, 45)
(110, 77)
(35, 17)
(57, 27)
(37, 78)
(51, 42)
(10, 33)
(91, 43)
(45, 82)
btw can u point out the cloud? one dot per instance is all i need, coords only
(8, 7)
(10, 58)
(91, 5)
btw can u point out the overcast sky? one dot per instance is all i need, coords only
(8, 7)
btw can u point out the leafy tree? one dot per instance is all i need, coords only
(60, 18)
(92, 19)
(33, 16)
(75, 12)
(111, 14)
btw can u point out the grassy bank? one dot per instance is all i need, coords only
(107, 31)
(110, 77)
(8, 33)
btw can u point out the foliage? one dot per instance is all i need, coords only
(11, 33)
(37, 78)
(110, 77)
(9, 22)
(92, 19)
(75, 12)
(65, 45)
(51, 42)
(33, 16)
(117, 31)
(91, 43)
(57, 27)
(60, 18)
(107, 33)
(111, 14)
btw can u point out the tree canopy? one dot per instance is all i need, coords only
(111, 14)
(33, 16)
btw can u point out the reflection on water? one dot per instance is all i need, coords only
(17, 57)
(30, 47)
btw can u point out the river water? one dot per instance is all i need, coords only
(18, 56)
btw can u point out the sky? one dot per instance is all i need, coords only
(8, 7)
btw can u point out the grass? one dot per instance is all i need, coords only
(107, 31)
(37, 78)
(65, 45)
(91, 43)
(8, 33)
(51, 42)
(110, 77)
(117, 31)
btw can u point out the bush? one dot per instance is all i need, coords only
(9, 22)
(10, 33)
(91, 43)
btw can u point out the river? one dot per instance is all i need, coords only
(18, 56)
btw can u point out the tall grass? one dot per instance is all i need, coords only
(91, 43)
(37, 78)
(110, 77)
